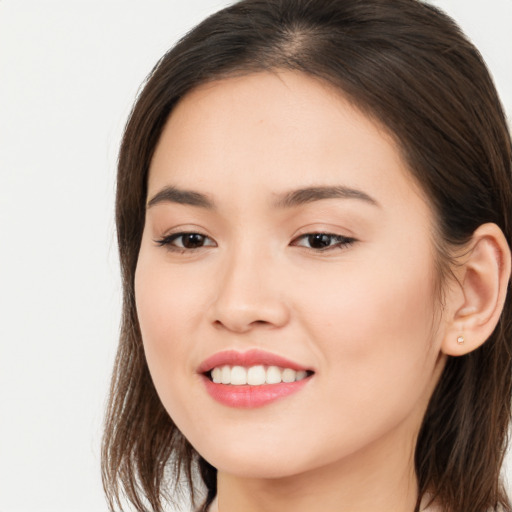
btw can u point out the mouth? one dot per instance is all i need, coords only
(258, 375)
(252, 379)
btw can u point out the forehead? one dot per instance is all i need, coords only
(272, 131)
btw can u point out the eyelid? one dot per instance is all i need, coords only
(343, 240)
(166, 241)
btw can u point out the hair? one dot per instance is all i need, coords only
(408, 66)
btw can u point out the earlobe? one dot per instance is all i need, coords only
(483, 275)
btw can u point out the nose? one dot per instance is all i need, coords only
(249, 293)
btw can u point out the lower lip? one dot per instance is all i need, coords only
(250, 397)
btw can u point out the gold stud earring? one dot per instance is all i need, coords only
(460, 340)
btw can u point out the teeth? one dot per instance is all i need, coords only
(226, 375)
(238, 375)
(289, 375)
(301, 374)
(274, 375)
(255, 375)
(217, 375)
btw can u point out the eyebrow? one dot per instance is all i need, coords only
(311, 194)
(180, 196)
(290, 199)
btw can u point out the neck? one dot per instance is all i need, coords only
(382, 478)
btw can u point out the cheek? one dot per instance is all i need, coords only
(168, 297)
(167, 310)
(374, 331)
(381, 299)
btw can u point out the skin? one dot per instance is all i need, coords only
(364, 316)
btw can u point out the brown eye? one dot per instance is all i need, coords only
(192, 240)
(319, 240)
(323, 241)
(183, 241)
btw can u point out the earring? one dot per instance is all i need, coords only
(460, 340)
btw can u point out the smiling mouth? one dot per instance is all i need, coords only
(257, 375)
(252, 379)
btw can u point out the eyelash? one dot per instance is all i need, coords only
(167, 241)
(341, 241)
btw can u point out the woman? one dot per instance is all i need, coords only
(314, 213)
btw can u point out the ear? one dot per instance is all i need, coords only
(477, 300)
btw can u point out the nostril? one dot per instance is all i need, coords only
(260, 322)
(239, 313)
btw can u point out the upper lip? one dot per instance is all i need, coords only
(252, 357)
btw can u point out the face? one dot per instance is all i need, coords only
(285, 243)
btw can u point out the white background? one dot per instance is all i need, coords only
(69, 71)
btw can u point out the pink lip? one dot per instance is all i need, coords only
(248, 397)
(250, 358)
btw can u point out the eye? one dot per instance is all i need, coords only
(322, 241)
(182, 242)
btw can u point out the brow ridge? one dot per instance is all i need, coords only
(173, 194)
(311, 194)
(289, 199)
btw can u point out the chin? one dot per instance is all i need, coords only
(257, 468)
(265, 460)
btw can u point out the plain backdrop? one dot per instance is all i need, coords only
(69, 71)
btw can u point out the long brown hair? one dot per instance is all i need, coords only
(407, 65)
